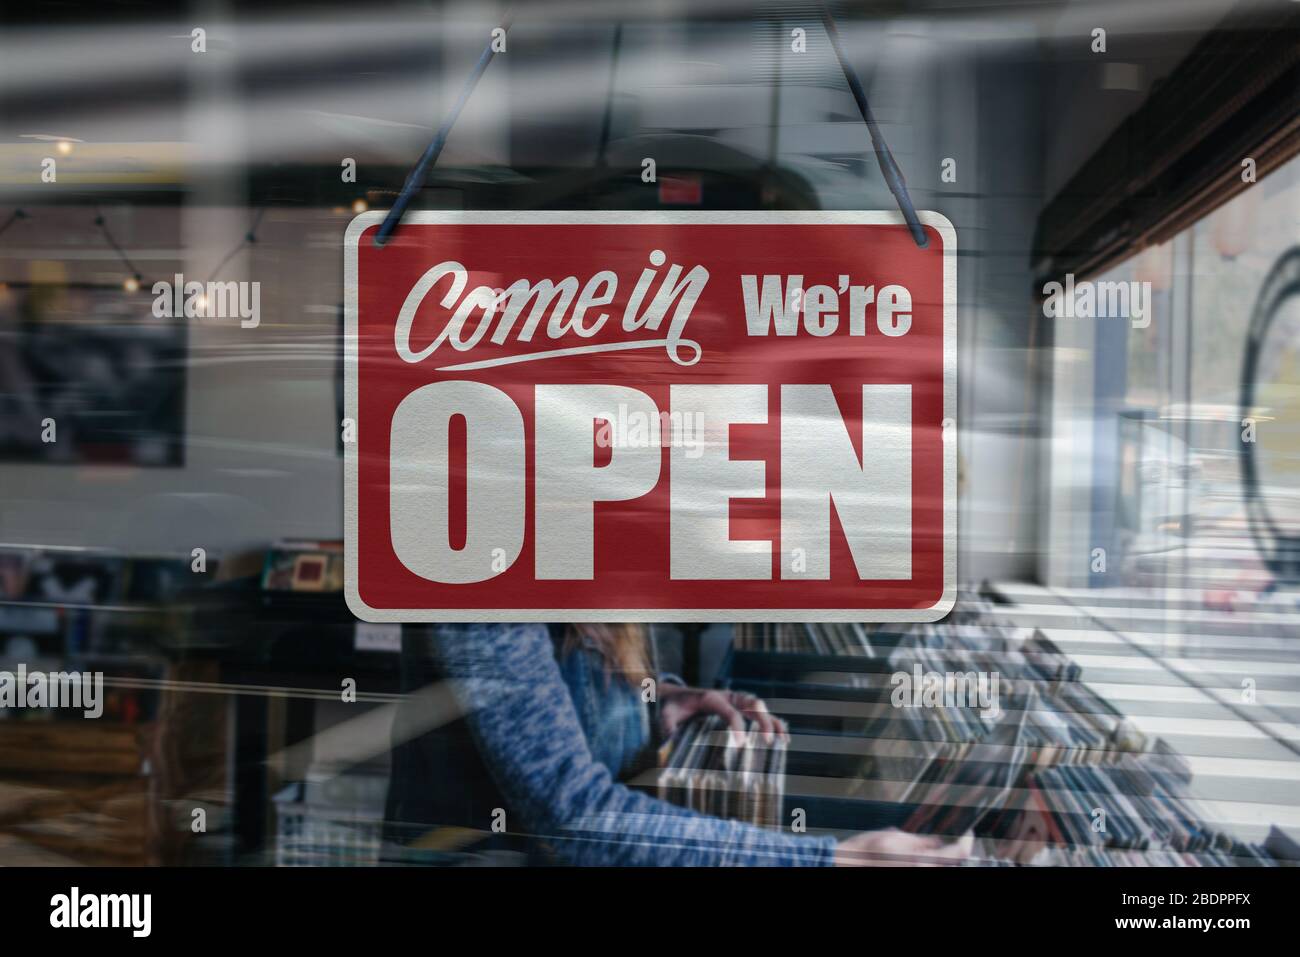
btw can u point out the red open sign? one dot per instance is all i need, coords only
(651, 416)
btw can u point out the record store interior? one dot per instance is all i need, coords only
(1128, 506)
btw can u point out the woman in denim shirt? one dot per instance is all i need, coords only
(552, 721)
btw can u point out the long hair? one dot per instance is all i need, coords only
(623, 648)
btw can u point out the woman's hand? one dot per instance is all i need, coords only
(895, 848)
(677, 704)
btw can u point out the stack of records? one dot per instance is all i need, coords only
(942, 724)
(704, 767)
(968, 783)
(1049, 769)
(1243, 855)
(1013, 652)
(1079, 729)
(973, 606)
(899, 758)
(908, 739)
(960, 648)
(1072, 725)
(826, 638)
(1048, 663)
(1133, 804)
(975, 623)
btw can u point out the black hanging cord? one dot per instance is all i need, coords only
(421, 170)
(888, 167)
(607, 120)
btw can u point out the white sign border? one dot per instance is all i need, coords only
(654, 218)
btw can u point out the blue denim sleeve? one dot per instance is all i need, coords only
(507, 682)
